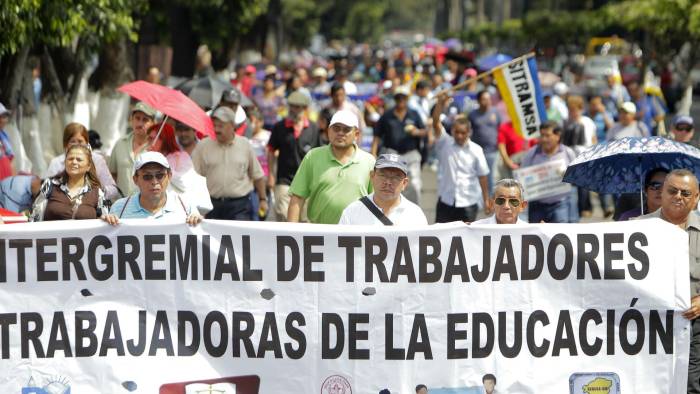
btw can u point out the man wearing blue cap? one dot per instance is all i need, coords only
(385, 205)
(683, 130)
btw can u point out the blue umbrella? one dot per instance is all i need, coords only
(619, 166)
(486, 63)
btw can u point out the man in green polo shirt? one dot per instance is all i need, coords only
(332, 176)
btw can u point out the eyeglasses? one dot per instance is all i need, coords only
(672, 191)
(514, 202)
(655, 185)
(149, 177)
(685, 129)
(393, 179)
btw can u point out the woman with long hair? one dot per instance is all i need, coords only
(77, 134)
(73, 194)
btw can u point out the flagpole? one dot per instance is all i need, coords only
(483, 74)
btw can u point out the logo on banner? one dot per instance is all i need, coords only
(594, 383)
(50, 385)
(336, 384)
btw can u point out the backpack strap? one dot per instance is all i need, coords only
(376, 212)
(124, 207)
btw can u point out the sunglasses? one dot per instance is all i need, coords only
(684, 128)
(149, 177)
(684, 193)
(514, 202)
(655, 185)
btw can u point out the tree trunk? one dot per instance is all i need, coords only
(12, 79)
(687, 62)
(113, 108)
(184, 42)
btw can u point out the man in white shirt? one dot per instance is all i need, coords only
(386, 205)
(462, 170)
(507, 203)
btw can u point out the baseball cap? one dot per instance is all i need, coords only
(683, 119)
(4, 111)
(402, 91)
(226, 114)
(346, 118)
(298, 98)
(150, 157)
(250, 69)
(319, 72)
(391, 160)
(629, 107)
(270, 69)
(231, 96)
(145, 108)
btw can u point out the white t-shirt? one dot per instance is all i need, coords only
(492, 220)
(406, 213)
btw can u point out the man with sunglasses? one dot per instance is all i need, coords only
(678, 202)
(152, 200)
(683, 130)
(385, 205)
(507, 202)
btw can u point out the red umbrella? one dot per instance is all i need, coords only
(172, 103)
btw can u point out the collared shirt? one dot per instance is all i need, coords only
(404, 214)
(492, 220)
(392, 131)
(16, 193)
(230, 169)
(693, 230)
(328, 185)
(536, 156)
(121, 162)
(459, 170)
(130, 208)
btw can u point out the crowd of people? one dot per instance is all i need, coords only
(278, 130)
(311, 145)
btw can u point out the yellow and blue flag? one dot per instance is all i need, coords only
(521, 92)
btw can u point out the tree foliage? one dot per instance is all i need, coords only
(55, 24)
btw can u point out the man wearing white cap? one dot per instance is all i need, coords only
(152, 200)
(627, 126)
(232, 169)
(332, 176)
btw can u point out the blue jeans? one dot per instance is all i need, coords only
(557, 212)
(491, 158)
(573, 206)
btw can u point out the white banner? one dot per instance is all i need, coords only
(543, 180)
(234, 307)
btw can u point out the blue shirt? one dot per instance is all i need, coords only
(175, 207)
(16, 193)
(485, 128)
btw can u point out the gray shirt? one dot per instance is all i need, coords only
(693, 230)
